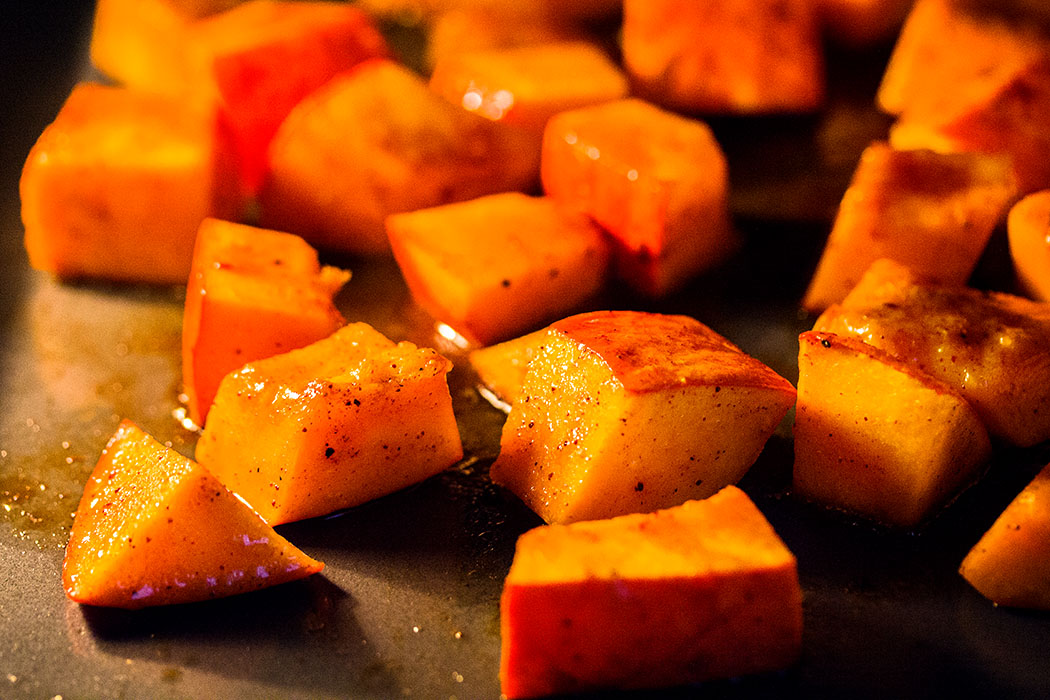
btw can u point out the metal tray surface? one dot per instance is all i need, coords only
(408, 603)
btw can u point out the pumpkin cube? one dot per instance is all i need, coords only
(497, 266)
(335, 424)
(142, 43)
(1028, 230)
(1010, 565)
(725, 56)
(154, 528)
(625, 412)
(701, 591)
(252, 293)
(877, 436)
(502, 367)
(526, 86)
(377, 141)
(117, 185)
(994, 349)
(656, 181)
(928, 68)
(263, 57)
(932, 212)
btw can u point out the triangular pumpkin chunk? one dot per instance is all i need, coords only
(155, 528)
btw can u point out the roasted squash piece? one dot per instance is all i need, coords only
(252, 293)
(526, 86)
(626, 412)
(117, 185)
(994, 349)
(502, 367)
(263, 57)
(933, 212)
(481, 28)
(498, 266)
(657, 181)
(142, 43)
(376, 141)
(876, 436)
(1010, 565)
(928, 65)
(154, 528)
(701, 591)
(1028, 230)
(986, 98)
(332, 425)
(725, 56)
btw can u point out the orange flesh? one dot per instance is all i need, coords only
(264, 57)
(877, 437)
(154, 528)
(526, 86)
(1010, 565)
(410, 148)
(725, 56)
(498, 266)
(656, 181)
(932, 212)
(252, 293)
(712, 592)
(992, 348)
(104, 143)
(1028, 227)
(332, 425)
(593, 434)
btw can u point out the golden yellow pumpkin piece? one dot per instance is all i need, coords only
(875, 436)
(626, 412)
(1028, 227)
(1010, 565)
(933, 212)
(502, 367)
(994, 349)
(332, 425)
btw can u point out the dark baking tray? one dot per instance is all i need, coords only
(408, 605)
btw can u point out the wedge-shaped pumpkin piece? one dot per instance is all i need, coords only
(701, 591)
(1028, 229)
(994, 349)
(927, 63)
(933, 212)
(1010, 564)
(497, 266)
(657, 181)
(117, 185)
(332, 425)
(725, 56)
(878, 437)
(863, 22)
(409, 149)
(155, 528)
(502, 367)
(263, 57)
(526, 86)
(986, 98)
(626, 412)
(252, 293)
